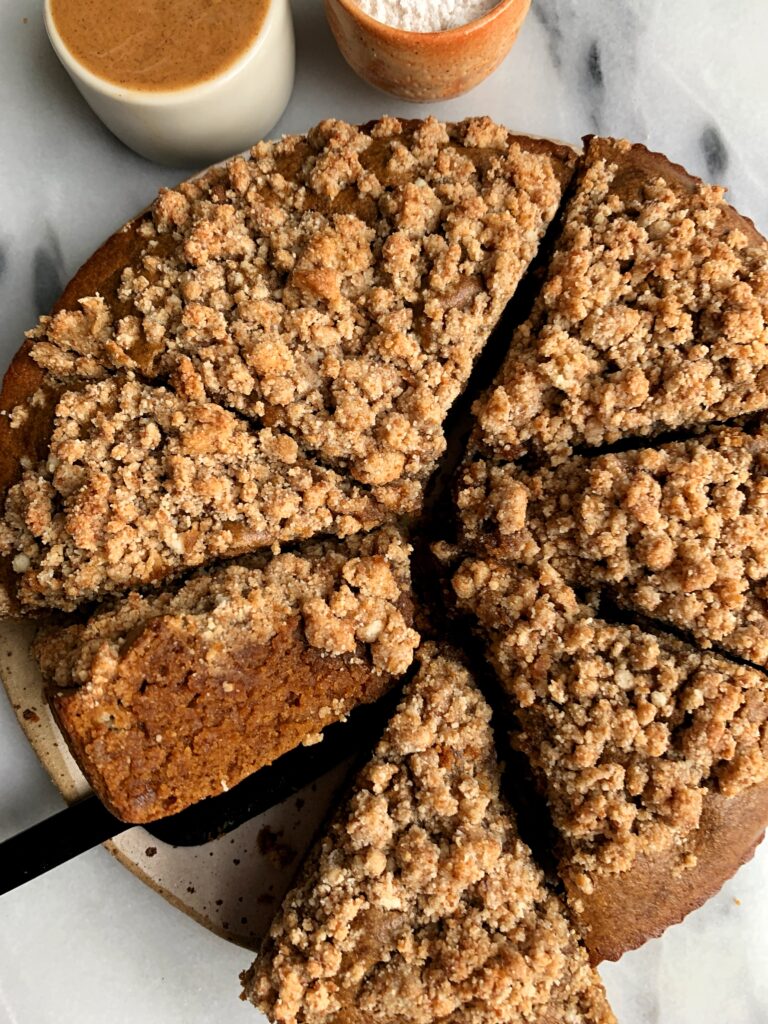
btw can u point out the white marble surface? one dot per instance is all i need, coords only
(89, 943)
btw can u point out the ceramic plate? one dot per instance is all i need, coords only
(230, 885)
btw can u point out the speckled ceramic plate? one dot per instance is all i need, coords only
(230, 885)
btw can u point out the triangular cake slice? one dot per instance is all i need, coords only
(678, 533)
(421, 903)
(653, 315)
(140, 483)
(168, 698)
(652, 755)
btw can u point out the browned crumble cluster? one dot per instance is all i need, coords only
(141, 482)
(421, 903)
(627, 730)
(654, 314)
(678, 532)
(177, 696)
(336, 286)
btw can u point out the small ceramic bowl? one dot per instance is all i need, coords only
(423, 66)
(203, 123)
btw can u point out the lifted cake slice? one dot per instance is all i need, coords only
(421, 903)
(678, 533)
(653, 316)
(177, 696)
(652, 755)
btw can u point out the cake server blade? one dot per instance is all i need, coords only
(87, 823)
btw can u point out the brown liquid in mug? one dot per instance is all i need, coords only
(158, 44)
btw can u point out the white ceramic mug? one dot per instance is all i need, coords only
(203, 123)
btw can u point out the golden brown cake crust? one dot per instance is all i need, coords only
(421, 903)
(168, 699)
(728, 834)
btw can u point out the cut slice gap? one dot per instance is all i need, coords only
(617, 614)
(749, 424)
(459, 422)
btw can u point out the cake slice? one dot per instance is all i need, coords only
(336, 286)
(652, 755)
(140, 483)
(421, 903)
(678, 532)
(169, 698)
(653, 315)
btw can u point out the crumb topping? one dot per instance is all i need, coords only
(627, 730)
(335, 287)
(678, 532)
(143, 482)
(654, 314)
(421, 903)
(350, 598)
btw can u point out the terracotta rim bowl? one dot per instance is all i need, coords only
(422, 66)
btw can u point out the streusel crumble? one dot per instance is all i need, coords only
(678, 532)
(421, 903)
(654, 314)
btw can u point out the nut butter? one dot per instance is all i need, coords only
(158, 44)
(182, 82)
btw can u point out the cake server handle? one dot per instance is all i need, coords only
(88, 823)
(55, 840)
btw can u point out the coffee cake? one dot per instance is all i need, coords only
(169, 698)
(258, 369)
(653, 314)
(420, 902)
(652, 756)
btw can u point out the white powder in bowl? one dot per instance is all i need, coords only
(426, 15)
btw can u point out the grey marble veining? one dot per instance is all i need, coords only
(89, 943)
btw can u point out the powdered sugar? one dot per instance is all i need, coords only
(426, 15)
